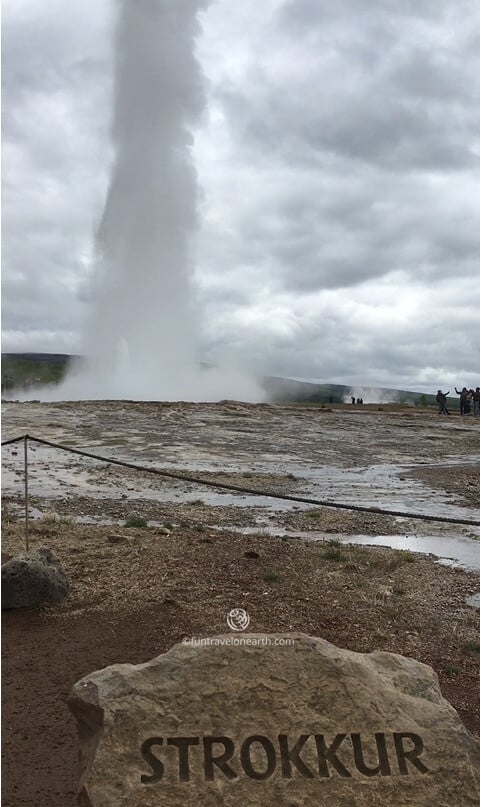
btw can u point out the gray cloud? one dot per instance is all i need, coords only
(339, 167)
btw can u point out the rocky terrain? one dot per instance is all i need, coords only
(152, 560)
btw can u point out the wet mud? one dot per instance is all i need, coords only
(396, 459)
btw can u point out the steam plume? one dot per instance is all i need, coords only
(144, 332)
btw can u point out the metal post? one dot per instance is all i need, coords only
(26, 490)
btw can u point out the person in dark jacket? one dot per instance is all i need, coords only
(476, 402)
(441, 398)
(464, 400)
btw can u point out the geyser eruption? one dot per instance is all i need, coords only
(144, 241)
(144, 331)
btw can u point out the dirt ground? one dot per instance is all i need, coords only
(137, 591)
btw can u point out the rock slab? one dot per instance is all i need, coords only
(278, 719)
(32, 578)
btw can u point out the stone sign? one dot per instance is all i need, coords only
(282, 719)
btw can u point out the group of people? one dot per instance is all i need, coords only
(469, 401)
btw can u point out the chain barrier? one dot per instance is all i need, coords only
(240, 489)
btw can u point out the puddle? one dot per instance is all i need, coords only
(457, 552)
(450, 551)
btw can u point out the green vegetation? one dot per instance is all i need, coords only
(451, 670)
(9, 516)
(472, 647)
(269, 576)
(396, 560)
(406, 556)
(136, 521)
(33, 368)
(334, 553)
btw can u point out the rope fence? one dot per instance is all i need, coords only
(222, 485)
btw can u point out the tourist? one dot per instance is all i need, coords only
(441, 399)
(476, 402)
(464, 399)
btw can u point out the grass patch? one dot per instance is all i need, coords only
(472, 647)
(334, 553)
(50, 523)
(451, 671)
(270, 576)
(260, 535)
(48, 520)
(9, 516)
(406, 556)
(136, 522)
(392, 560)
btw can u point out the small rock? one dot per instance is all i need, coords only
(116, 539)
(168, 601)
(251, 554)
(34, 577)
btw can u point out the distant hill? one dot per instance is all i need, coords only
(42, 358)
(47, 368)
(40, 368)
(288, 389)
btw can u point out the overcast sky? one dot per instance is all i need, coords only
(338, 160)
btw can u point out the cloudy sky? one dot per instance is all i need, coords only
(338, 161)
